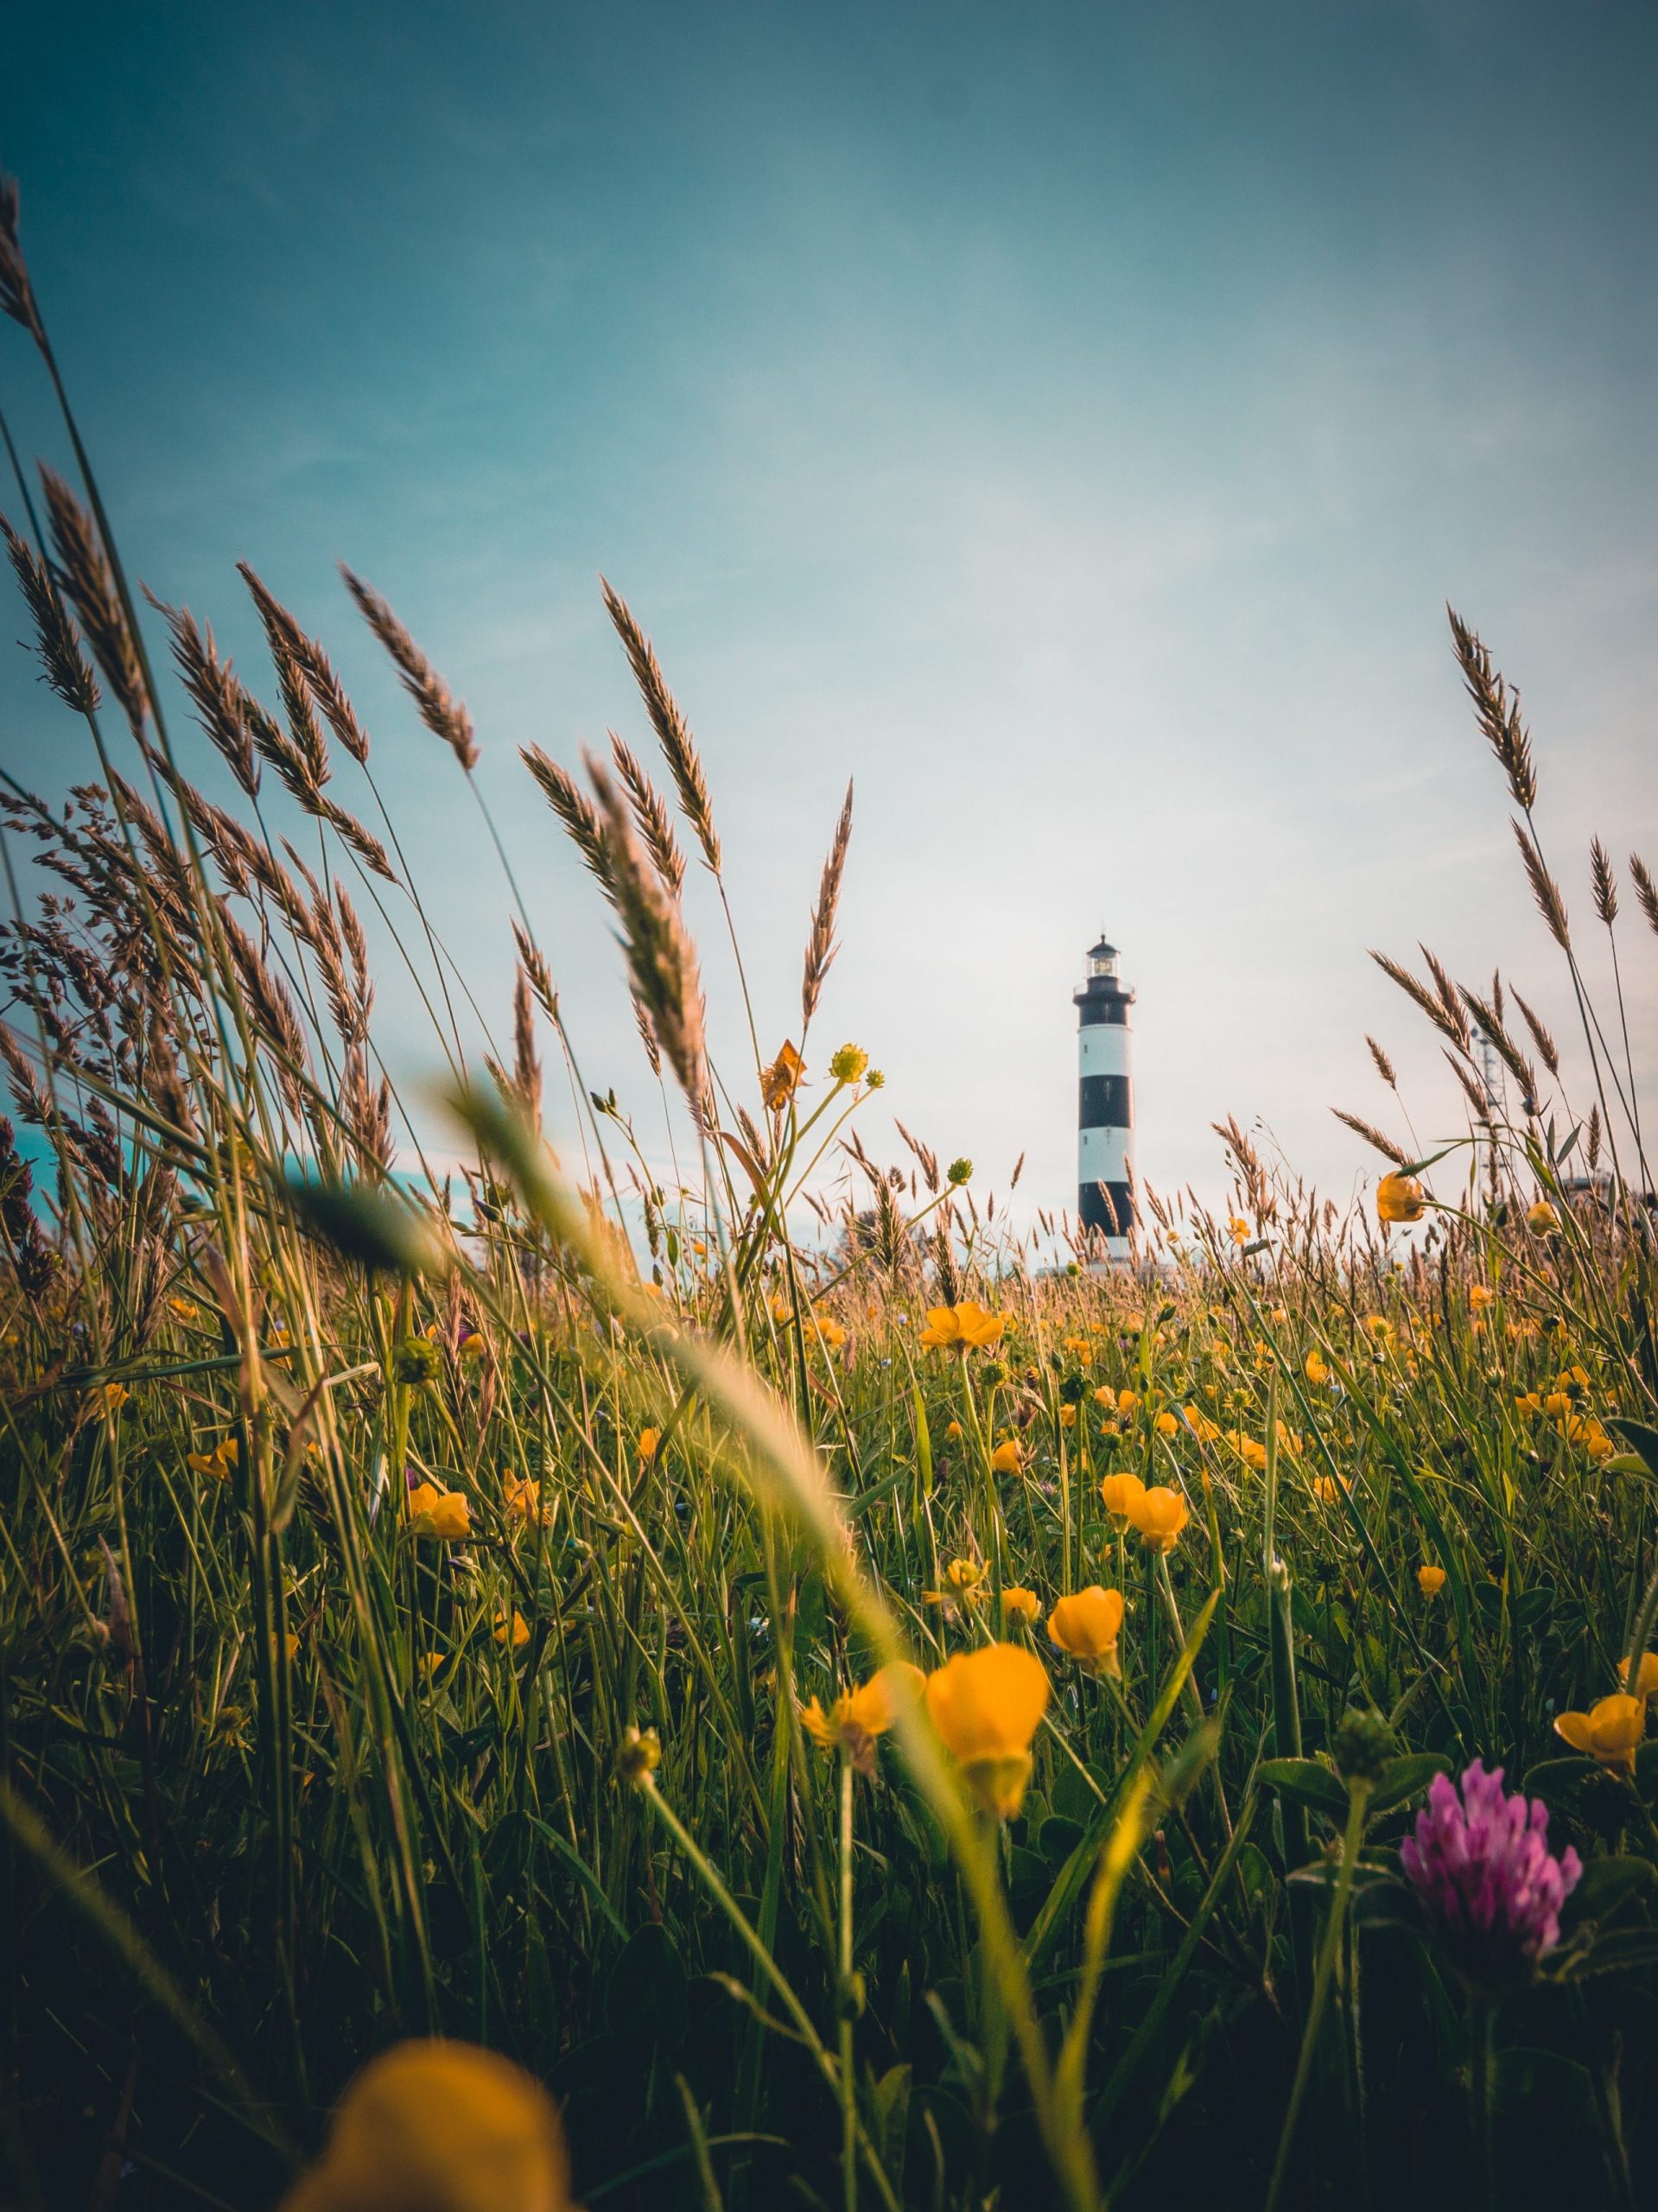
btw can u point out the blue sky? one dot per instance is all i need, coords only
(1070, 421)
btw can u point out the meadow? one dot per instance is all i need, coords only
(552, 1683)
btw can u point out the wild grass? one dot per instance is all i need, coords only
(423, 1595)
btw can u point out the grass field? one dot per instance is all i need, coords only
(862, 1721)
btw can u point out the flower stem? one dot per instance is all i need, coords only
(848, 2079)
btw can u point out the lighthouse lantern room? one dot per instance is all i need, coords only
(1105, 1115)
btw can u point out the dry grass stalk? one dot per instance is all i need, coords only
(1448, 1019)
(651, 817)
(444, 715)
(1371, 1135)
(1384, 1066)
(1645, 890)
(84, 572)
(321, 678)
(575, 811)
(16, 293)
(821, 947)
(673, 731)
(925, 1155)
(220, 702)
(1489, 1014)
(647, 1035)
(1544, 889)
(1547, 1050)
(526, 1067)
(303, 733)
(1498, 710)
(1472, 1090)
(65, 667)
(366, 846)
(661, 959)
(1592, 1139)
(534, 964)
(1604, 881)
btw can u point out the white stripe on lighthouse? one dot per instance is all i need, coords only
(1103, 1049)
(1102, 1155)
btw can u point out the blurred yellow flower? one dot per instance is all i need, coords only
(1127, 1400)
(1252, 1453)
(1087, 1625)
(517, 1630)
(1609, 1732)
(1121, 1495)
(848, 1064)
(779, 1082)
(1587, 1433)
(1078, 1347)
(1202, 1429)
(1316, 1370)
(987, 1705)
(1067, 1416)
(1007, 1459)
(1168, 1424)
(1377, 1325)
(953, 1432)
(108, 1397)
(1646, 1682)
(185, 1308)
(1542, 1220)
(520, 1500)
(1479, 1294)
(1159, 1515)
(833, 1334)
(440, 1516)
(956, 1327)
(220, 1463)
(1429, 1580)
(1400, 1198)
(442, 2126)
(1530, 1403)
(1239, 1229)
(1327, 1490)
(649, 1440)
(857, 1716)
(1022, 1606)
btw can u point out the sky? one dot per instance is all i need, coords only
(1068, 422)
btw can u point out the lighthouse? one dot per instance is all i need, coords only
(1105, 1117)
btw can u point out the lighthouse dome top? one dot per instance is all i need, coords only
(1102, 958)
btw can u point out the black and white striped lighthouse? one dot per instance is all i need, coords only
(1105, 1114)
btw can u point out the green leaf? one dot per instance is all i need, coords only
(1404, 1778)
(1613, 1954)
(1635, 1433)
(1306, 1781)
(1557, 1781)
(1607, 1885)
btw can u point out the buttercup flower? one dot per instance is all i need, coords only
(1202, 1428)
(1479, 1294)
(833, 1334)
(1646, 1681)
(848, 1064)
(1429, 1580)
(1007, 1459)
(1020, 1607)
(779, 1082)
(649, 1440)
(520, 1500)
(1168, 1424)
(987, 1705)
(1327, 1490)
(1159, 1516)
(953, 1432)
(956, 1327)
(1400, 1198)
(1316, 1370)
(1609, 1732)
(963, 1579)
(444, 2126)
(1481, 1863)
(220, 1463)
(440, 1516)
(1121, 1495)
(1377, 1325)
(1252, 1453)
(1067, 1416)
(1088, 1625)
(858, 1717)
(1542, 1220)
(515, 1631)
(1239, 1229)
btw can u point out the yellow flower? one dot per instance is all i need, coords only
(1007, 1458)
(1088, 1625)
(1291, 1440)
(1327, 1490)
(1588, 1433)
(185, 1308)
(1021, 1605)
(1067, 1416)
(857, 1716)
(1316, 1370)
(987, 1705)
(962, 1578)
(1127, 1400)
(220, 1463)
(442, 1517)
(521, 1501)
(1400, 1198)
(517, 1630)
(1106, 1397)
(1252, 1453)
(1647, 1680)
(108, 1397)
(955, 1327)
(1429, 1580)
(649, 1440)
(1168, 1425)
(1202, 1428)
(1479, 1295)
(1121, 1495)
(848, 1064)
(779, 1082)
(1530, 1403)
(1078, 1347)
(833, 1334)
(1377, 1325)
(290, 1644)
(1239, 1229)
(445, 2127)
(953, 1434)
(1159, 1516)
(1609, 1732)
(1542, 1220)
